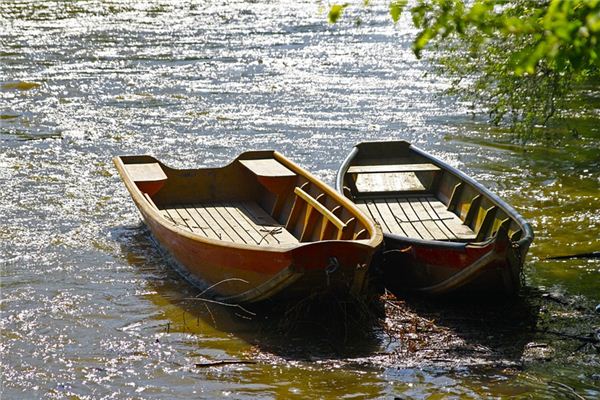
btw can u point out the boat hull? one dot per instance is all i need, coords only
(448, 268)
(241, 275)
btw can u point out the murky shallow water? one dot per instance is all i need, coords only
(91, 309)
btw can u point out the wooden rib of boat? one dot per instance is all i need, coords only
(443, 231)
(257, 228)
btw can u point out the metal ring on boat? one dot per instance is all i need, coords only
(333, 265)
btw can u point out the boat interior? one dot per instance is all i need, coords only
(259, 199)
(411, 196)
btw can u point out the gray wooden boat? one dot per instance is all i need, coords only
(443, 231)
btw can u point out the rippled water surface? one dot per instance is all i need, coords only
(90, 308)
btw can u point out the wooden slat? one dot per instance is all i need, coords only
(388, 216)
(414, 219)
(200, 222)
(174, 217)
(308, 225)
(403, 219)
(265, 224)
(229, 223)
(411, 216)
(423, 217)
(486, 224)
(319, 207)
(388, 182)
(455, 197)
(297, 206)
(473, 210)
(436, 225)
(417, 217)
(428, 203)
(241, 222)
(453, 222)
(234, 209)
(374, 169)
(221, 232)
(362, 234)
(346, 233)
(372, 208)
(424, 220)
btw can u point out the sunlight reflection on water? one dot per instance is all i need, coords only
(89, 307)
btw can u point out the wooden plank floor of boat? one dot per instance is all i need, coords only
(419, 217)
(237, 222)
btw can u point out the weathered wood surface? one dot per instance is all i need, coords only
(147, 172)
(237, 222)
(374, 169)
(267, 167)
(419, 217)
(388, 182)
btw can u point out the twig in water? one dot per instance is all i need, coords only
(570, 389)
(222, 304)
(593, 254)
(223, 281)
(211, 315)
(586, 339)
(223, 362)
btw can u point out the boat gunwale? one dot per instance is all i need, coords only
(144, 206)
(514, 214)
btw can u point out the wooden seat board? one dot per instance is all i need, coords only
(149, 172)
(374, 169)
(267, 167)
(238, 222)
(388, 182)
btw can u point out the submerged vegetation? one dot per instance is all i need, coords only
(523, 61)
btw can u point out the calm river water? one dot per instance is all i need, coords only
(90, 309)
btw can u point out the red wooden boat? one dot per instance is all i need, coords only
(257, 228)
(443, 231)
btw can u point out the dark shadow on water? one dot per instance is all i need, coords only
(389, 331)
(319, 327)
(494, 330)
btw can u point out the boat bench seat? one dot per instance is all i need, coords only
(236, 221)
(395, 168)
(418, 217)
(391, 178)
(268, 167)
(149, 177)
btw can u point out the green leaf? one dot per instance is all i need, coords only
(396, 8)
(335, 12)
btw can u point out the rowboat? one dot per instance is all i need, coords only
(443, 231)
(258, 228)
